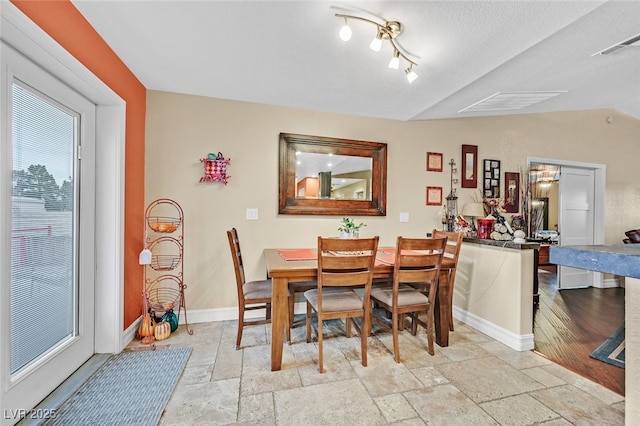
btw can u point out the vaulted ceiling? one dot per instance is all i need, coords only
(288, 53)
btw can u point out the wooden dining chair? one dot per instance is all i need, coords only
(343, 264)
(416, 271)
(450, 265)
(252, 295)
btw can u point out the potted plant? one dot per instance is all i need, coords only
(349, 229)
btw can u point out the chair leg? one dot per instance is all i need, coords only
(396, 344)
(452, 279)
(240, 326)
(414, 323)
(308, 323)
(288, 327)
(320, 347)
(364, 335)
(347, 325)
(430, 321)
(292, 300)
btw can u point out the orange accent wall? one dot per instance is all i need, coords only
(65, 24)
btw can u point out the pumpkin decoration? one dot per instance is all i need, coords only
(172, 319)
(162, 331)
(148, 340)
(146, 326)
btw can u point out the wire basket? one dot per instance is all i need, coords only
(161, 299)
(164, 262)
(163, 223)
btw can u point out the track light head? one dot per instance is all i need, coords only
(345, 31)
(376, 43)
(394, 63)
(411, 74)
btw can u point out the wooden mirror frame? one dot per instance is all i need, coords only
(288, 203)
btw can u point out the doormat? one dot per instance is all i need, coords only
(612, 350)
(130, 388)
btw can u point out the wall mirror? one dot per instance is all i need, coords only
(329, 176)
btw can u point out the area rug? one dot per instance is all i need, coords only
(130, 388)
(612, 350)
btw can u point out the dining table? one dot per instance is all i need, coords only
(286, 266)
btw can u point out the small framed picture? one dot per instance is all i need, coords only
(434, 195)
(469, 166)
(434, 162)
(512, 192)
(492, 178)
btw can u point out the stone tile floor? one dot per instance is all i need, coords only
(474, 381)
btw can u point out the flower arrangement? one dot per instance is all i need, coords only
(493, 206)
(348, 226)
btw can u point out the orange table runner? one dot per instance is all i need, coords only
(386, 255)
(298, 254)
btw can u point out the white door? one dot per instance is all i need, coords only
(47, 263)
(576, 224)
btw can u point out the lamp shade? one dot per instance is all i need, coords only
(473, 210)
(345, 32)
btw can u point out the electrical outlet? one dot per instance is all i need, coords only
(404, 217)
(252, 214)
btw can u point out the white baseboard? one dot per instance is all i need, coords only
(228, 314)
(514, 341)
(213, 315)
(129, 334)
(611, 283)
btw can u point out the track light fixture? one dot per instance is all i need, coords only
(389, 31)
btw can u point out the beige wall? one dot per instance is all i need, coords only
(181, 129)
(494, 286)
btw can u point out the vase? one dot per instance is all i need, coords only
(485, 227)
(348, 235)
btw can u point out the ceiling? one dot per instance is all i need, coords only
(288, 53)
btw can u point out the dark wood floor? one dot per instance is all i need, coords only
(570, 324)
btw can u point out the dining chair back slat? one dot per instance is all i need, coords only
(340, 279)
(340, 262)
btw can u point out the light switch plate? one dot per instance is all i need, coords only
(252, 214)
(404, 217)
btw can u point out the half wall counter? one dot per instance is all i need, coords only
(494, 288)
(622, 260)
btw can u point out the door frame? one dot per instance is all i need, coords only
(23, 35)
(600, 173)
(29, 39)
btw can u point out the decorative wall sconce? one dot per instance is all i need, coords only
(215, 168)
(387, 31)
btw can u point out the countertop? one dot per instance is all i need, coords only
(505, 244)
(617, 259)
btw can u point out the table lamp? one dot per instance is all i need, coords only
(473, 211)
